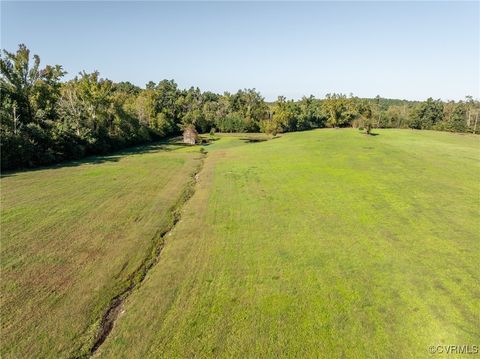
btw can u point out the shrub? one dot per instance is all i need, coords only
(232, 122)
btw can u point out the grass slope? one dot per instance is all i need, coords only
(326, 244)
(71, 238)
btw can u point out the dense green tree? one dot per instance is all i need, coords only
(339, 110)
(426, 114)
(454, 116)
(28, 91)
(366, 115)
(285, 114)
(251, 106)
(29, 96)
(310, 114)
(395, 116)
(45, 120)
(232, 122)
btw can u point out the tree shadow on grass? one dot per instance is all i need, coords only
(167, 145)
(373, 134)
(256, 139)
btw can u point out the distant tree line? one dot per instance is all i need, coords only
(46, 120)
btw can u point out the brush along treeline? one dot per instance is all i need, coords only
(46, 120)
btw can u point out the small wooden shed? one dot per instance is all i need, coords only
(190, 135)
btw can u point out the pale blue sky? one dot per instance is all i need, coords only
(409, 50)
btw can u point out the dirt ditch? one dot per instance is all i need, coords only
(113, 311)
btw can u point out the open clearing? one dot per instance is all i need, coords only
(326, 243)
(73, 237)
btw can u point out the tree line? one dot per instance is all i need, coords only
(46, 120)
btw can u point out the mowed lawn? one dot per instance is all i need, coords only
(320, 244)
(72, 235)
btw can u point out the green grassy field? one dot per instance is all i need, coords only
(326, 243)
(73, 237)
